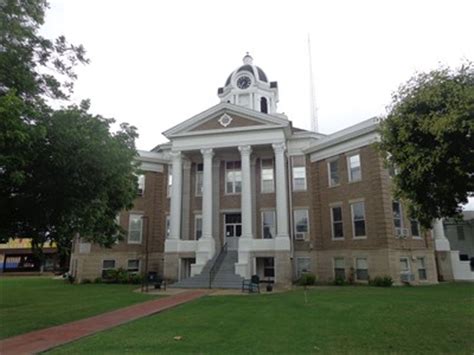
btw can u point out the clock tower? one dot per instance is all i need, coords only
(248, 86)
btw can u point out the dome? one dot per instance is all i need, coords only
(257, 72)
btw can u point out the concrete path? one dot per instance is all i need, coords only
(44, 339)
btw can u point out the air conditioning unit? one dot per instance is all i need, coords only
(401, 233)
(300, 236)
(407, 277)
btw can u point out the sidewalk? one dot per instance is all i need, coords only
(41, 340)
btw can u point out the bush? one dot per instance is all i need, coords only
(307, 279)
(98, 280)
(121, 276)
(86, 281)
(381, 281)
(339, 281)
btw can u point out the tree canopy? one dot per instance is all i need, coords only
(428, 137)
(62, 172)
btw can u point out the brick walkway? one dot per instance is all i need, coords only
(41, 340)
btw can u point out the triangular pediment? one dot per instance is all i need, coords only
(225, 117)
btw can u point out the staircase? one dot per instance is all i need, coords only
(221, 267)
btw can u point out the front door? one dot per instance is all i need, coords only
(232, 229)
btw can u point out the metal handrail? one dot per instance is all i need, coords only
(217, 264)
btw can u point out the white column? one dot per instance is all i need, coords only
(281, 191)
(175, 209)
(207, 193)
(246, 204)
(441, 242)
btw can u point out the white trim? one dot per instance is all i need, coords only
(353, 222)
(225, 108)
(141, 192)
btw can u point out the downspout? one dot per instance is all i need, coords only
(290, 203)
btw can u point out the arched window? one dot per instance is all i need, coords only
(263, 105)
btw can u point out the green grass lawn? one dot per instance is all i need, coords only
(30, 303)
(430, 319)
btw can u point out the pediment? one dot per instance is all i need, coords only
(225, 117)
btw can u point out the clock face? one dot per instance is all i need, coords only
(243, 82)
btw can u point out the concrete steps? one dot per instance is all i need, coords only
(225, 276)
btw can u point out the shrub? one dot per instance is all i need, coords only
(98, 280)
(307, 279)
(381, 281)
(135, 279)
(86, 281)
(121, 276)
(339, 281)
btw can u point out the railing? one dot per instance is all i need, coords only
(217, 264)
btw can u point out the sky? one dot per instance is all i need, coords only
(157, 63)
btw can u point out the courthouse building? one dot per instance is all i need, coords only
(239, 190)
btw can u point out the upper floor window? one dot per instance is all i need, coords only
(301, 224)
(233, 177)
(199, 179)
(141, 184)
(267, 175)
(170, 181)
(337, 224)
(354, 168)
(299, 172)
(135, 228)
(263, 105)
(333, 171)
(397, 214)
(268, 224)
(167, 227)
(198, 227)
(358, 219)
(415, 228)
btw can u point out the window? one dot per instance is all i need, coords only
(199, 179)
(303, 265)
(362, 272)
(353, 167)
(268, 224)
(107, 265)
(333, 171)
(135, 224)
(415, 228)
(301, 224)
(267, 175)
(339, 268)
(133, 265)
(358, 219)
(268, 267)
(337, 225)
(141, 184)
(233, 177)
(404, 265)
(460, 232)
(299, 172)
(263, 105)
(421, 268)
(197, 227)
(397, 214)
(170, 181)
(167, 227)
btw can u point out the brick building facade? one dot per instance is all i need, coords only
(238, 181)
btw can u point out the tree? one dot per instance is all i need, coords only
(428, 137)
(62, 172)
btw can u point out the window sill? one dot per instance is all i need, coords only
(301, 190)
(361, 237)
(232, 193)
(131, 242)
(416, 238)
(331, 186)
(354, 181)
(337, 239)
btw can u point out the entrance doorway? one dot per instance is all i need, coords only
(232, 229)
